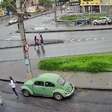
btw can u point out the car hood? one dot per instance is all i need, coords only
(29, 82)
(68, 87)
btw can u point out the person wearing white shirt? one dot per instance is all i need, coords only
(13, 85)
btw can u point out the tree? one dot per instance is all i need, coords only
(9, 5)
(45, 3)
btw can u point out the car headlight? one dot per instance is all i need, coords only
(66, 93)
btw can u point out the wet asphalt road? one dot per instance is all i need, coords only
(74, 42)
(82, 101)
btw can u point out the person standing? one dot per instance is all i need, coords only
(37, 41)
(13, 86)
(1, 100)
(42, 43)
(41, 39)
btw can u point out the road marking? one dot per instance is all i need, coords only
(94, 38)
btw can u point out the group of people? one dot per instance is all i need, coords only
(39, 44)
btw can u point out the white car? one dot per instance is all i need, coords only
(12, 21)
(40, 28)
(101, 20)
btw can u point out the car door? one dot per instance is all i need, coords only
(49, 88)
(39, 88)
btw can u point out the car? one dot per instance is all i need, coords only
(110, 17)
(12, 21)
(15, 20)
(101, 21)
(83, 22)
(48, 85)
(42, 28)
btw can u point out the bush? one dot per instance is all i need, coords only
(49, 65)
(96, 66)
(89, 63)
(69, 67)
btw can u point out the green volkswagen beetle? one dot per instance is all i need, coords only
(48, 85)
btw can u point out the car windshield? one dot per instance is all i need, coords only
(61, 81)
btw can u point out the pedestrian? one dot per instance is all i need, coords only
(13, 86)
(1, 100)
(42, 43)
(37, 41)
(41, 39)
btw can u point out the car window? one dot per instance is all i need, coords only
(49, 84)
(39, 83)
(61, 81)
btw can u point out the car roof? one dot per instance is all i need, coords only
(52, 77)
(103, 17)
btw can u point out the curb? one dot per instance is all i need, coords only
(92, 89)
(46, 43)
(44, 13)
(69, 30)
(77, 88)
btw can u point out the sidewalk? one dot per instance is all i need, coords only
(17, 69)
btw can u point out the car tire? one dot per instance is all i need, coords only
(106, 23)
(25, 93)
(95, 23)
(58, 96)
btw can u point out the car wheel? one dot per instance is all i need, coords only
(95, 23)
(106, 22)
(58, 96)
(25, 93)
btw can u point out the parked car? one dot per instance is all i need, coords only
(42, 28)
(12, 21)
(15, 20)
(110, 17)
(101, 21)
(48, 85)
(83, 22)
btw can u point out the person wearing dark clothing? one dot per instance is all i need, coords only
(13, 86)
(37, 41)
(42, 43)
(41, 39)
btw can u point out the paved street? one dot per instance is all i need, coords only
(74, 44)
(82, 101)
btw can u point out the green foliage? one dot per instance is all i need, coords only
(46, 3)
(9, 5)
(97, 66)
(84, 16)
(89, 63)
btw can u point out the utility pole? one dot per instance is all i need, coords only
(20, 13)
(55, 8)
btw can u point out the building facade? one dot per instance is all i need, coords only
(106, 6)
(93, 6)
(74, 6)
(89, 6)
